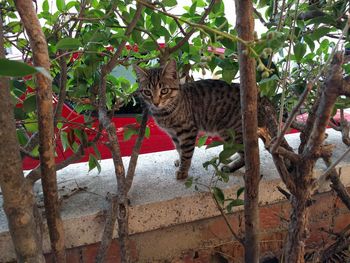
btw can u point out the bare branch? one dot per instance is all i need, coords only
(283, 172)
(107, 235)
(310, 14)
(136, 150)
(328, 98)
(336, 185)
(292, 156)
(259, 16)
(291, 117)
(62, 87)
(35, 174)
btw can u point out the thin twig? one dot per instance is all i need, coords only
(291, 117)
(241, 240)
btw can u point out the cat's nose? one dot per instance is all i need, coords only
(156, 104)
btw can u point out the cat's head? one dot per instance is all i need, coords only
(158, 86)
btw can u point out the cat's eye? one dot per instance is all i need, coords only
(147, 93)
(164, 91)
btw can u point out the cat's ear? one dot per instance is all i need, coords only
(169, 71)
(142, 74)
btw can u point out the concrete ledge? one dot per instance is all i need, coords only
(158, 200)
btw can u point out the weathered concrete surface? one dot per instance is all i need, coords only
(157, 199)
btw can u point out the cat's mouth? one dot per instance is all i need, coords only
(157, 106)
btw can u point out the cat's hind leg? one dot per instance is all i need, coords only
(236, 163)
(237, 160)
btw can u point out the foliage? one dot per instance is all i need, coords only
(86, 33)
(83, 36)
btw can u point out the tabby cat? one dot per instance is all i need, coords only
(212, 106)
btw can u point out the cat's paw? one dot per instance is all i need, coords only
(181, 175)
(177, 163)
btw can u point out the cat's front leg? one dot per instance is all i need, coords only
(177, 145)
(186, 149)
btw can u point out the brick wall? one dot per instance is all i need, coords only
(205, 240)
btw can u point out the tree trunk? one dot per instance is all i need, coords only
(18, 196)
(294, 250)
(245, 29)
(46, 130)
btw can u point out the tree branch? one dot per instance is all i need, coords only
(62, 87)
(46, 131)
(136, 150)
(19, 201)
(249, 106)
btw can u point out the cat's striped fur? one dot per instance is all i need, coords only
(212, 106)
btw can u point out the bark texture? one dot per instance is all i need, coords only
(18, 196)
(46, 130)
(249, 95)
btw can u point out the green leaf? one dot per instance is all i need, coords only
(320, 32)
(31, 125)
(299, 51)
(149, 45)
(192, 10)
(72, 4)
(202, 140)
(19, 114)
(97, 152)
(156, 21)
(129, 132)
(64, 140)
(94, 3)
(29, 105)
(21, 136)
(68, 43)
(226, 154)
(46, 6)
(240, 191)
(19, 87)
(147, 132)
(11, 68)
(233, 203)
(268, 85)
(93, 163)
(61, 5)
(169, 3)
(172, 26)
(228, 75)
(189, 182)
(212, 162)
(218, 194)
(309, 42)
